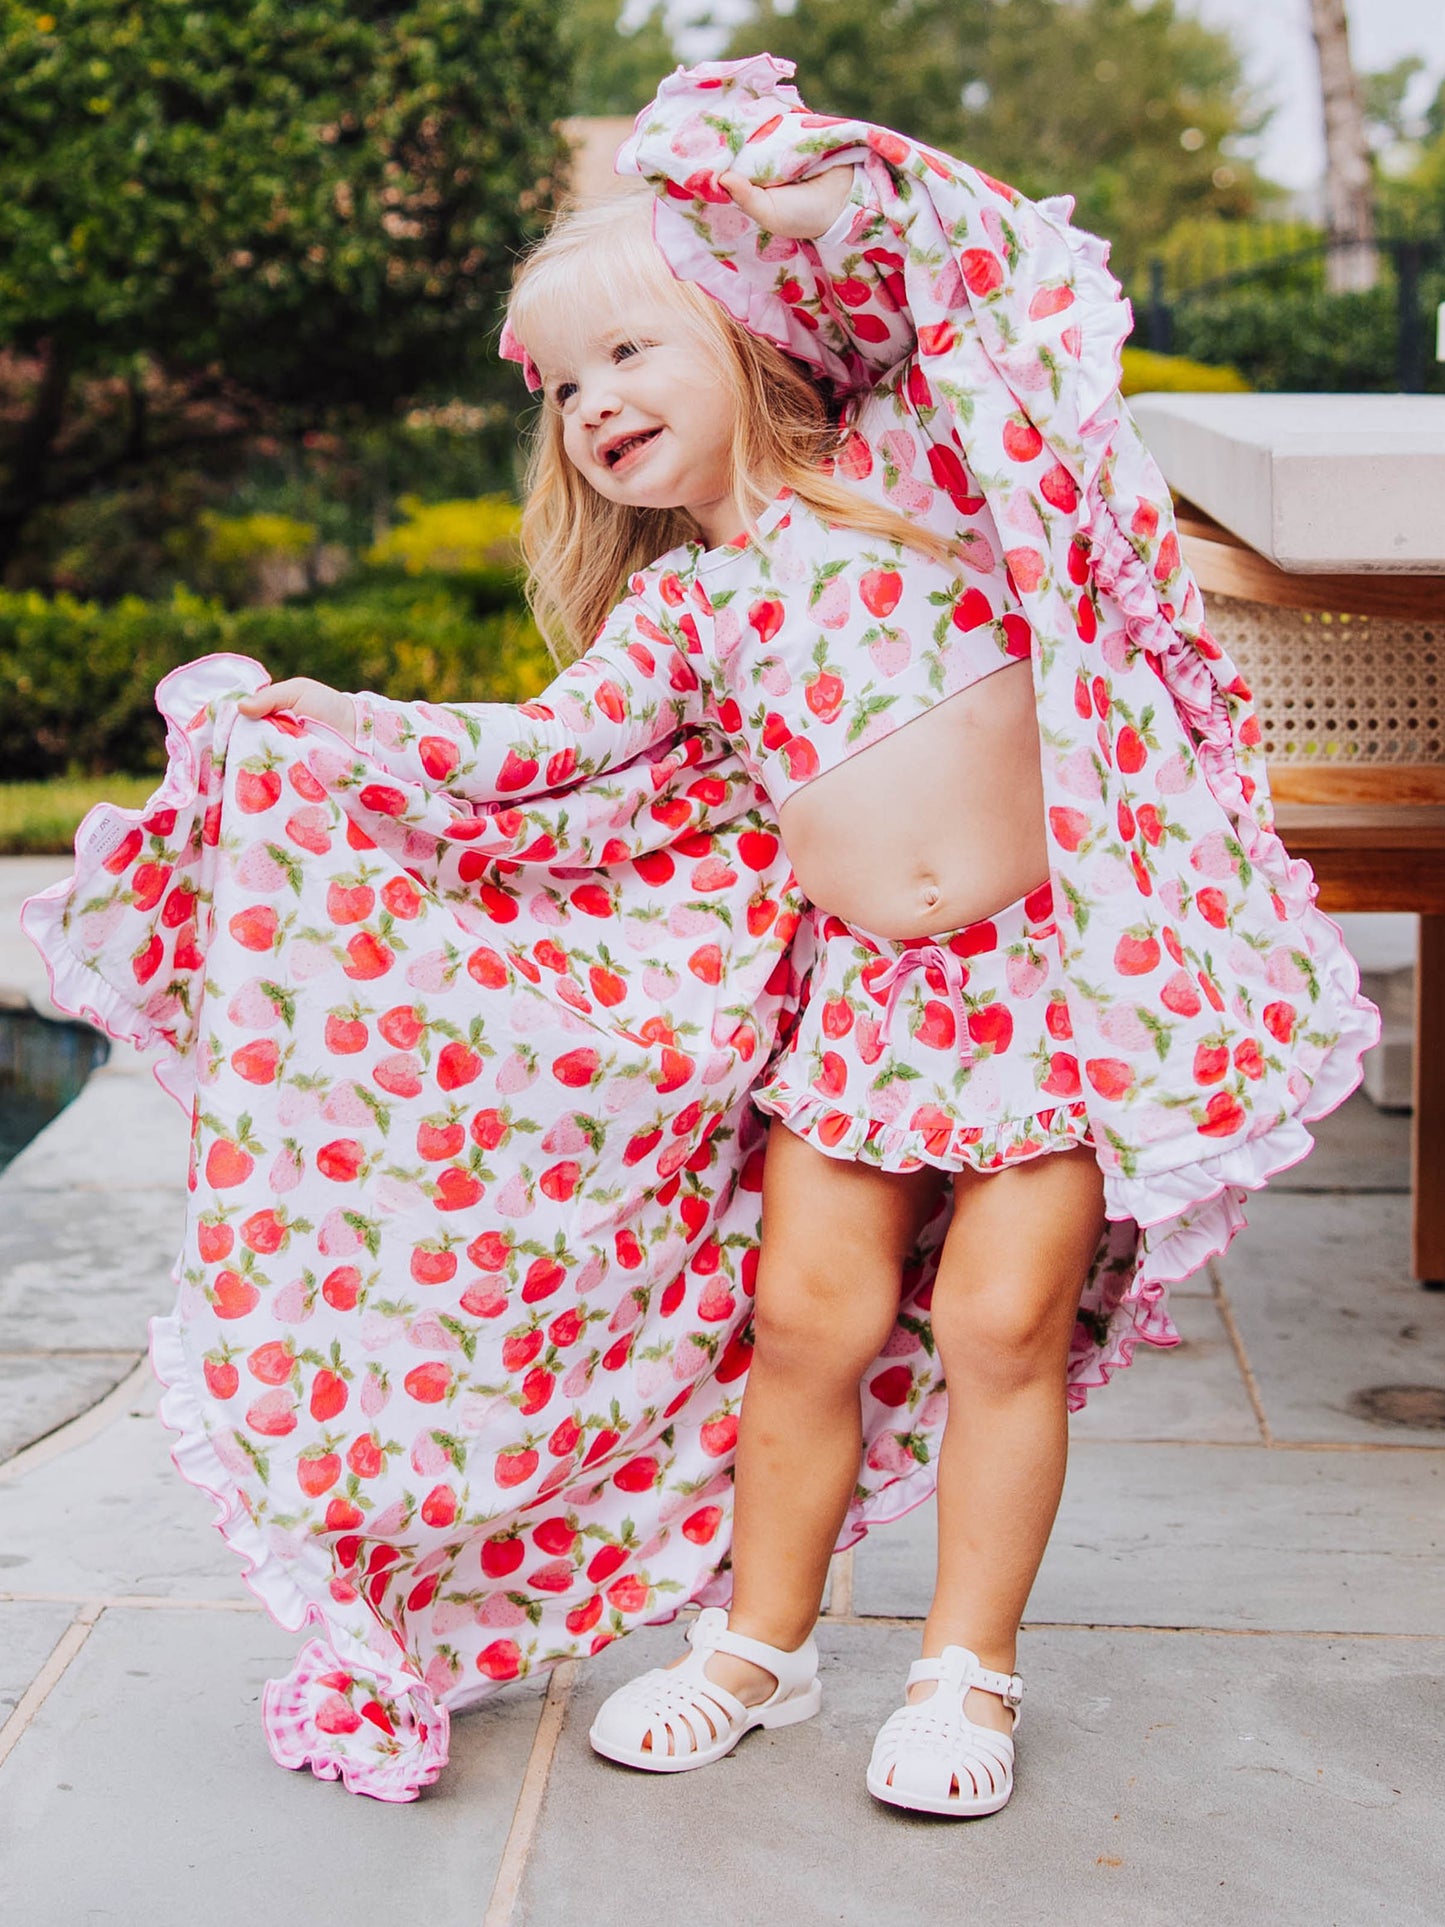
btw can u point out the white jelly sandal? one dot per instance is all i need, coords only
(690, 1719)
(923, 1750)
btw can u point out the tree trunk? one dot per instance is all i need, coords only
(1349, 184)
(21, 494)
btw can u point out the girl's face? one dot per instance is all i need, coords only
(645, 418)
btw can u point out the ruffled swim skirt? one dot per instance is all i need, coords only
(953, 1050)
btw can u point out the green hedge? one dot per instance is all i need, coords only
(77, 680)
(1299, 340)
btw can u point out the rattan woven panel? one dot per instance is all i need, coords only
(1338, 689)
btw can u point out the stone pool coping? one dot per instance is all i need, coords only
(90, 1213)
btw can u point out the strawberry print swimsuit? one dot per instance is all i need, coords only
(470, 1017)
(950, 1050)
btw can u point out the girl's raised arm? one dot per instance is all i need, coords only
(994, 293)
(849, 221)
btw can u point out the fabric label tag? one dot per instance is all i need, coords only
(106, 837)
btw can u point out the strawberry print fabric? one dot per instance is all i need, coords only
(954, 1051)
(460, 1334)
(469, 1017)
(1214, 1010)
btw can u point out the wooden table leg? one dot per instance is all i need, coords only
(1427, 1135)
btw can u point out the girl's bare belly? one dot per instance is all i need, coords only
(938, 825)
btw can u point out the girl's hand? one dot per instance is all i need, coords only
(801, 210)
(303, 697)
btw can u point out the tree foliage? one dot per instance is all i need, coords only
(615, 68)
(1415, 193)
(1126, 104)
(1383, 98)
(322, 196)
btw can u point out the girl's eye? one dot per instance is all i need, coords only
(621, 351)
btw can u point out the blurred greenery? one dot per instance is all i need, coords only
(1148, 373)
(253, 219)
(251, 258)
(615, 68)
(1293, 339)
(1199, 248)
(458, 538)
(1421, 189)
(78, 677)
(40, 819)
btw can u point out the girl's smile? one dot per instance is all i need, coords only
(621, 451)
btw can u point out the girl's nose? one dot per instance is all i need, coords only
(599, 404)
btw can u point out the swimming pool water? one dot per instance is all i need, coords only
(43, 1065)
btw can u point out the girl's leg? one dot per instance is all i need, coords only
(1004, 1304)
(835, 1237)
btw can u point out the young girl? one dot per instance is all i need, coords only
(902, 593)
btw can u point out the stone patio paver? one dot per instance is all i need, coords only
(1164, 1779)
(1203, 1535)
(1357, 1148)
(144, 1793)
(40, 1392)
(1326, 1308)
(28, 1635)
(91, 1214)
(1193, 1392)
(114, 1516)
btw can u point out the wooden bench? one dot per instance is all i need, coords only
(1372, 829)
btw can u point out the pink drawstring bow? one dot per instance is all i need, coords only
(950, 966)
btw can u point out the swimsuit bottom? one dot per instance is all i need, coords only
(953, 1050)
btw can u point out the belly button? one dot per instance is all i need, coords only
(930, 894)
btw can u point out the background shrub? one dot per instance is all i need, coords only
(1148, 373)
(1293, 339)
(77, 679)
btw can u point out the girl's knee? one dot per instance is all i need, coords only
(1006, 1335)
(810, 1321)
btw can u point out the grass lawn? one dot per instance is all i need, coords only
(40, 819)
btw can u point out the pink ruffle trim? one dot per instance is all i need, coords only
(76, 986)
(1141, 1317)
(899, 1147)
(1194, 681)
(392, 1765)
(1190, 1213)
(1105, 322)
(311, 1719)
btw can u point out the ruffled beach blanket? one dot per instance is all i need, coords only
(461, 1330)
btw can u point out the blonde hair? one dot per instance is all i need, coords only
(581, 548)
